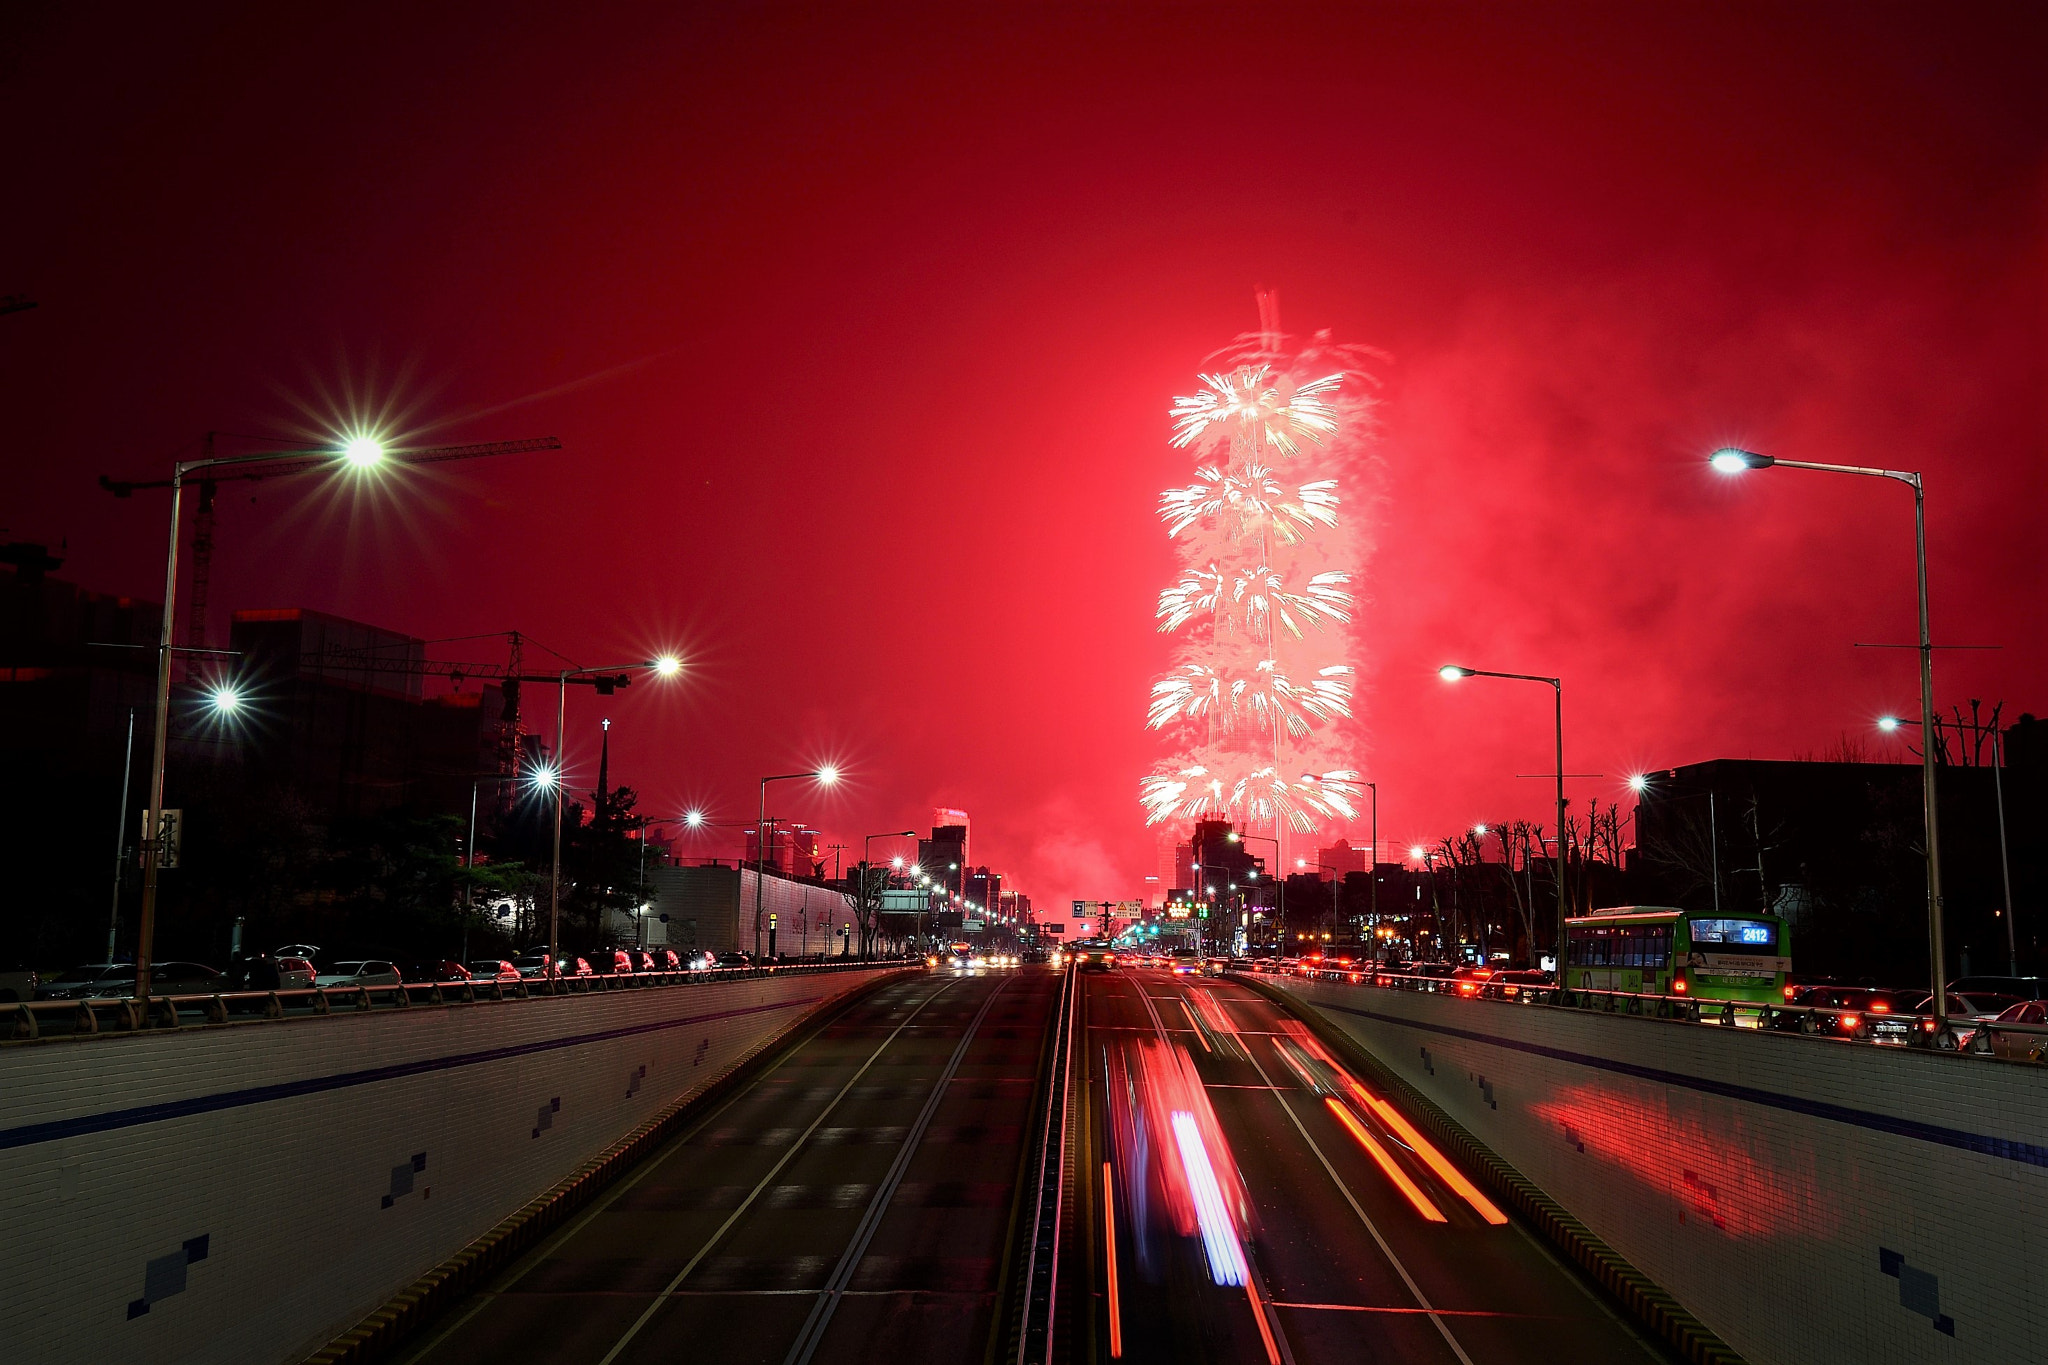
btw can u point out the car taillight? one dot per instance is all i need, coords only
(1850, 1021)
(1879, 1007)
(1788, 992)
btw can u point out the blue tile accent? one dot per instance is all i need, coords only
(28, 1134)
(1919, 1290)
(1427, 1064)
(401, 1178)
(546, 1118)
(164, 1276)
(1486, 1091)
(633, 1079)
(2009, 1149)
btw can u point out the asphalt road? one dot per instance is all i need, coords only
(851, 1203)
(1339, 1264)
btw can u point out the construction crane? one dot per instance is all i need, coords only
(509, 676)
(286, 463)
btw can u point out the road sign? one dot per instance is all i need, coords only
(971, 926)
(168, 835)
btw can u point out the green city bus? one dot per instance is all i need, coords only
(1662, 950)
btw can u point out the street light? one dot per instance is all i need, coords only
(867, 853)
(551, 778)
(359, 453)
(1457, 672)
(1732, 460)
(1890, 725)
(826, 776)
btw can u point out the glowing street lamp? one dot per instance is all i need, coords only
(363, 452)
(826, 776)
(1457, 672)
(1638, 783)
(226, 700)
(556, 783)
(1732, 460)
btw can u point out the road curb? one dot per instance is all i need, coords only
(379, 1334)
(1631, 1290)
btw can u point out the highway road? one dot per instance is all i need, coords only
(1300, 1218)
(860, 1198)
(852, 1202)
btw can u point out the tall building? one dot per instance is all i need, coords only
(1339, 858)
(944, 855)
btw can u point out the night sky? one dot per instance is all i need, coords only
(861, 334)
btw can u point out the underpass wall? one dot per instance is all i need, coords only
(244, 1193)
(1812, 1201)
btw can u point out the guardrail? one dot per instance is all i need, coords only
(27, 1021)
(1976, 1037)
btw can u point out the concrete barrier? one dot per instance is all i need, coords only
(1813, 1202)
(244, 1193)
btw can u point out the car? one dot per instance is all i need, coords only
(1511, 984)
(18, 982)
(1857, 1012)
(442, 971)
(1185, 962)
(615, 961)
(665, 960)
(358, 972)
(94, 981)
(1471, 980)
(2018, 987)
(295, 973)
(1093, 955)
(184, 978)
(309, 951)
(494, 969)
(2018, 1044)
(732, 960)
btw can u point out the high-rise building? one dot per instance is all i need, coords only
(944, 856)
(1339, 858)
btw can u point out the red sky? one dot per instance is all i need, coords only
(877, 321)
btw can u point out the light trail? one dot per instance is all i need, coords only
(1116, 1319)
(1219, 1233)
(1435, 1160)
(1385, 1162)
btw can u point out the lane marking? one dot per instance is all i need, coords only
(1443, 1312)
(1385, 1162)
(1116, 1319)
(827, 1303)
(766, 1180)
(1442, 1327)
(1189, 1011)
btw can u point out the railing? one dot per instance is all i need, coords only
(1978, 1037)
(30, 1020)
(1038, 1290)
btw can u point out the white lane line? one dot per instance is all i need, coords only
(766, 1180)
(1351, 1199)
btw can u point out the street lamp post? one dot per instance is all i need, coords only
(825, 775)
(1736, 461)
(667, 666)
(866, 867)
(1236, 838)
(1456, 672)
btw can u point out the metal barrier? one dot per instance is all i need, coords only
(28, 1021)
(1976, 1037)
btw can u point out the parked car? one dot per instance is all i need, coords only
(94, 981)
(441, 970)
(1857, 1012)
(295, 973)
(2013, 1044)
(183, 978)
(733, 959)
(532, 964)
(667, 961)
(494, 969)
(18, 982)
(1472, 980)
(363, 972)
(614, 961)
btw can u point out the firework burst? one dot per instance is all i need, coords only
(1259, 606)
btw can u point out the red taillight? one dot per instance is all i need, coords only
(1879, 1007)
(1788, 992)
(1850, 1021)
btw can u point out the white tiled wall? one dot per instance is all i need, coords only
(289, 1191)
(1802, 1238)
